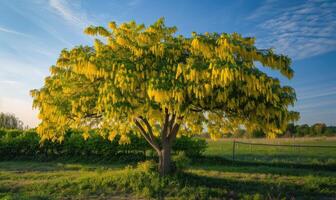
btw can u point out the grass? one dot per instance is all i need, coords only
(213, 176)
(297, 155)
(51, 180)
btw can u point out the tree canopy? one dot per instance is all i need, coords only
(159, 82)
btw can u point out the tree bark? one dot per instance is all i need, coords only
(165, 158)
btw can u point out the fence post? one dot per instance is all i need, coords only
(233, 149)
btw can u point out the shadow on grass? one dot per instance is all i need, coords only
(21, 166)
(243, 187)
(214, 186)
(217, 160)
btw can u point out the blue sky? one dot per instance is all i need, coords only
(32, 33)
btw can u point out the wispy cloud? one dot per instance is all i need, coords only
(320, 94)
(38, 19)
(316, 93)
(315, 106)
(300, 30)
(264, 9)
(10, 82)
(65, 9)
(10, 31)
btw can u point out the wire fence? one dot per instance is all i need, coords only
(283, 153)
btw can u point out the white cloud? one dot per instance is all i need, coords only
(6, 30)
(263, 9)
(316, 106)
(9, 82)
(37, 17)
(315, 93)
(75, 17)
(300, 30)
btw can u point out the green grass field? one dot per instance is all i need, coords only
(212, 176)
(299, 155)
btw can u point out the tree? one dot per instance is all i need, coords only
(149, 79)
(318, 128)
(303, 130)
(10, 121)
(290, 130)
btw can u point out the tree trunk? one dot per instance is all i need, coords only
(168, 135)
(165, 160)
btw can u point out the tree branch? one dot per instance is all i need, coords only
(173, 133)
(149, 128)
(171, 122)
(93, 115)
(165, 126)
(147, 137)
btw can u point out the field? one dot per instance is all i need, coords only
(258, 173)
(277, 154)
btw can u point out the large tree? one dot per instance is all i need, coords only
(150, 79)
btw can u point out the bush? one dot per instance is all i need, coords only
(193, 147)
(181, 161)
(26, 144)
(147, 166)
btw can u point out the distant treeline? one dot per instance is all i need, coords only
(318, 129)
(10, 121)
(26, 144)
(304, 130)
(292, 130)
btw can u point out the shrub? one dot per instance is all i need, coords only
(147, 166)
(193, 147)
(26, 144)
(181, 161)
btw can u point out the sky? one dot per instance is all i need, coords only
(33, 32)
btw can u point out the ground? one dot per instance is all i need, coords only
(260, 177)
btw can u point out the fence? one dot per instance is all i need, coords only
(283, 153)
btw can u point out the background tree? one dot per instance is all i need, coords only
(10, 121)
(303, 130)
(319, 128)
(149, 79)
(290, 130)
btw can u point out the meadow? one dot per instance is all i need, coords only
(260, 173)
(277, 154)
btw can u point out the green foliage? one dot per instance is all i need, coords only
(10, 121)
(149, 184)
(18, 143)
(191, 146)
(181, 161)
(147, 166)
(145, 183)
(257, 134)
(317, 129)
